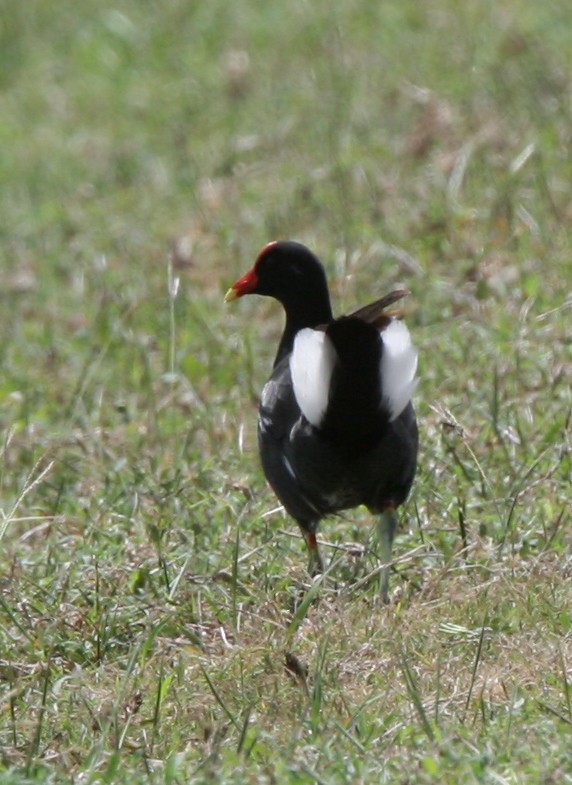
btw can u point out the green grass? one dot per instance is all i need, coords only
(153, 627)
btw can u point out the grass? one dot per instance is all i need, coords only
(155, 625)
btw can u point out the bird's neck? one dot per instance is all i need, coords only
(313, 314)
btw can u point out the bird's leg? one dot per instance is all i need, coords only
(315, 561)
(386, 525)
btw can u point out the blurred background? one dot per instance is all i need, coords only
(147, 152)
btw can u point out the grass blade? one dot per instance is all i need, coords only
(415, 695)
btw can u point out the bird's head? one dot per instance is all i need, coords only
(285, 270)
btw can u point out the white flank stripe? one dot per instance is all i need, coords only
(311, 364)
(398, 367)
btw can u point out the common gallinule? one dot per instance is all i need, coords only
(336, 426)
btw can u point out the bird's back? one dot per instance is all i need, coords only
(332, 449)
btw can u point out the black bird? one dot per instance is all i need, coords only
(336, 426)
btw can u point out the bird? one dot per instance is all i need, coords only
(336, 424)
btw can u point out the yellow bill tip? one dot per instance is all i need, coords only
(231, 295)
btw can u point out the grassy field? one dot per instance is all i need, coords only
(154, 626)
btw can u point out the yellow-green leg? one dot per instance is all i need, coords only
(315, 561)
(386, 525)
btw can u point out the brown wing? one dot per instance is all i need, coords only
(374, 313)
